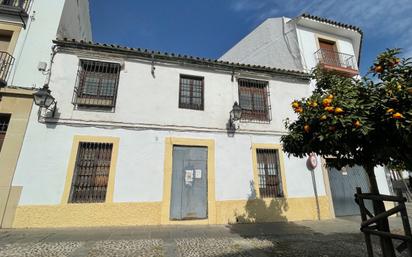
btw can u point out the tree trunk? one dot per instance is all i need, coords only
(378, 207)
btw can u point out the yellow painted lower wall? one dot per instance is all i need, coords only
(88, 215)
(271, 210)
(133, 214)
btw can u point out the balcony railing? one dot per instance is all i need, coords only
(335, 59)
(6, 63)
(20, 5)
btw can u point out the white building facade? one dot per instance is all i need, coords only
(301, 44)
(27, 28)
(142, 138)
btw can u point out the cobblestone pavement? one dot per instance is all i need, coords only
(334, 238)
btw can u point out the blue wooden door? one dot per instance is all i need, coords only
(343, 185)
(189, 183)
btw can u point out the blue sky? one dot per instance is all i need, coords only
(208, 28)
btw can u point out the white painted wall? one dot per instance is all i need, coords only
(35, 42)
(43, 162)
(308, 45)
(153, 102)
(143, 99)
(285, 43)
(382, 180)
(273, 44)
(42, 167)
(75, 21)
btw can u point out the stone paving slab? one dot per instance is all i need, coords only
(332, 238)
(57, 249)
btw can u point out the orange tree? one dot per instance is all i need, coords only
(366, 122)
(357, 121)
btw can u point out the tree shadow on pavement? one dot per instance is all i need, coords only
(264, 230)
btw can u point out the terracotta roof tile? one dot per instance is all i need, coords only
(336, 23)
(72, 43)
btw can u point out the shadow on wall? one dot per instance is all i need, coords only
(258, 210)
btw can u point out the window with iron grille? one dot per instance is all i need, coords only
(254, 100)
(91, 174)
(270, 181)
(191, 92)
(4, 124)
(97, 84)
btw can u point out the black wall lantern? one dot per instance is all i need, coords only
(44, 99)
(235, 115)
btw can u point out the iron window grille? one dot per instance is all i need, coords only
(336, 59)
(4, 124)
(97, 84)
(254, 100)
(6, 64)
(91, 174)
(270, 181)
(191, 92)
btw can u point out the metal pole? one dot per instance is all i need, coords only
(312, 172)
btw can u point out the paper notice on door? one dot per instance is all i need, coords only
(189, 177)
(198, 173)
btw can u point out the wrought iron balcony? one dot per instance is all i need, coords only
(20, 7)
(333, 60)
(6, 63)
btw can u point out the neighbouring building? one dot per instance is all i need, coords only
(301, 44)
(138, 137)
(27, 29)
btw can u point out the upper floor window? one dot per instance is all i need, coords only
(91, 174)
(254, 100)
(191, 92)
(4, 124)
(97, 84)
(330, 58)
(328, 51)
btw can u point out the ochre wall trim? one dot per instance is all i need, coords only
(281, 166)
(149, 213)
(72, 163)
(167, 180)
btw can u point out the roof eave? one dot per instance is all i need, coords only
(145, 53)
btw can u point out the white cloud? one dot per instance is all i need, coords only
(379, 19)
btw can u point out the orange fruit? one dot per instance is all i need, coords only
(357, 124)
(295, 104)
(299, 110)
(330, 97)
(326, 102)
(330, 109)
(378, 69)
(390, 110)
(338, 110)
(397, 115)
(306, 128)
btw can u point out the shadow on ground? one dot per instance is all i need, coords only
(265, 231)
